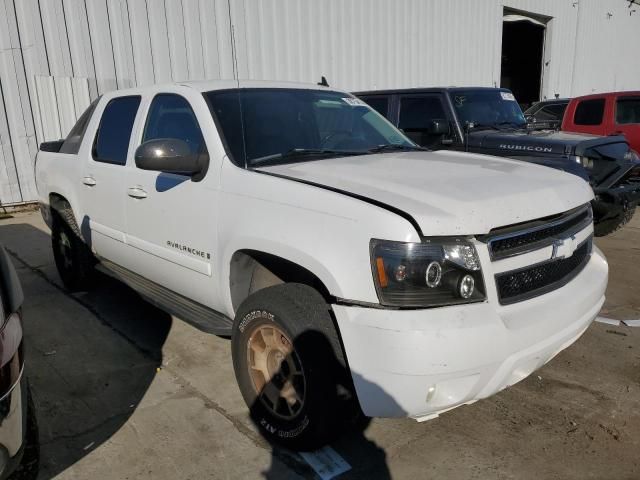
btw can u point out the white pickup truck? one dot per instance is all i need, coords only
(344, 262)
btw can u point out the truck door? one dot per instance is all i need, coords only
(423, 118)
(103, 188)
(627, 119)
(171, 218)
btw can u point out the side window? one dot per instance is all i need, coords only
(551, 112)
(74, 139)
(171, 116)
(627, 110)
(589, 112)
(417, 115)
(379, 103)
(112, 140)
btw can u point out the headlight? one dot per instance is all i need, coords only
(631, 156)
(586, 162)
(430, 274)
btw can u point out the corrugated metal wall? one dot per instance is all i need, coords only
(56, 55)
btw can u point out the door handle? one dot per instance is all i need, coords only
(89, 181)
(136, 192)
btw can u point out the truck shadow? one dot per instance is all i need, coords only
(86, 382)
(364, 457)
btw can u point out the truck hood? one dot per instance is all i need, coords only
(448, 193)
(535, 141)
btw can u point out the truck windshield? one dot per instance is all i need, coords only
(261, 126)
(488, 108)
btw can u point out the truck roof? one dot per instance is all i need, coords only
(427, 90)
(209, 85)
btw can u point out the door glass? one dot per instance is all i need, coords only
(171, 116)
(416, 118)
(378, 103)
(589, 112)
(628, 110)
(112, 140)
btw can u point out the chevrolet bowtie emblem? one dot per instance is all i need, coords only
(564, 247)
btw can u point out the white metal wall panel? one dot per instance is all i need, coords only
(48, 106)
(177, 41)
(34, 58)
(141, 43)
(81, 95)
(65, 104)
(159, 41)
(193, 39)
(9, 188)
(120, 31)
(16, 100)
(80, 47)
(101, 46)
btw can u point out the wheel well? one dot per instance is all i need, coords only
(57, 201)
(252, 270)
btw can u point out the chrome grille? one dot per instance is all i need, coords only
(537, 279)
(527, 237)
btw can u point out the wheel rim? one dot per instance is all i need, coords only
(64, 249)
(276, 371)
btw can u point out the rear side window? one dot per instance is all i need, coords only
(589, 112)
(112, 140)
(171, 116)
(378, 103)
(74, 139)
(628, 110)
(417, 113)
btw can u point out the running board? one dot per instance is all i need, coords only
(196, 314)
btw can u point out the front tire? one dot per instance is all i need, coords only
(73, 258)
(289, 366)
(611, 225)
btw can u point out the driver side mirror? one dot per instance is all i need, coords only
(171, 155)
(439, 127)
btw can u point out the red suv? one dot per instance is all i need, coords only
(606, 114)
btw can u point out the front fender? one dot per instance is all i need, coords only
(325, 232)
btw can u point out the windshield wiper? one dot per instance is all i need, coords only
(391, 147)
(300, 153)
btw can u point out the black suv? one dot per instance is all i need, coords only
(546, 113)
(490, 121)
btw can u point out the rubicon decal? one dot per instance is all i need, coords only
(188, 249)
(526, 148)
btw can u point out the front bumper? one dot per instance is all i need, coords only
(420, 363)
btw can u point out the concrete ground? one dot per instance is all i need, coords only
(123, 391)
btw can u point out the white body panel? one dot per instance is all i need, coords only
(320, 218)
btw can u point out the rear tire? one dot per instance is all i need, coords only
(74, 260)
(614, 224)
(290, 367)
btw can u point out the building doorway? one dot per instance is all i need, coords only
(523, 40)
